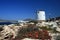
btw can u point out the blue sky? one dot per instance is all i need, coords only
(22, 9)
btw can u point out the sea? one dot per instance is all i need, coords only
(6, 23)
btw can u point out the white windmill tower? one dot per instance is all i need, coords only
(41, 15)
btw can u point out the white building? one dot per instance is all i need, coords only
(41, 15)
(22, 21)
